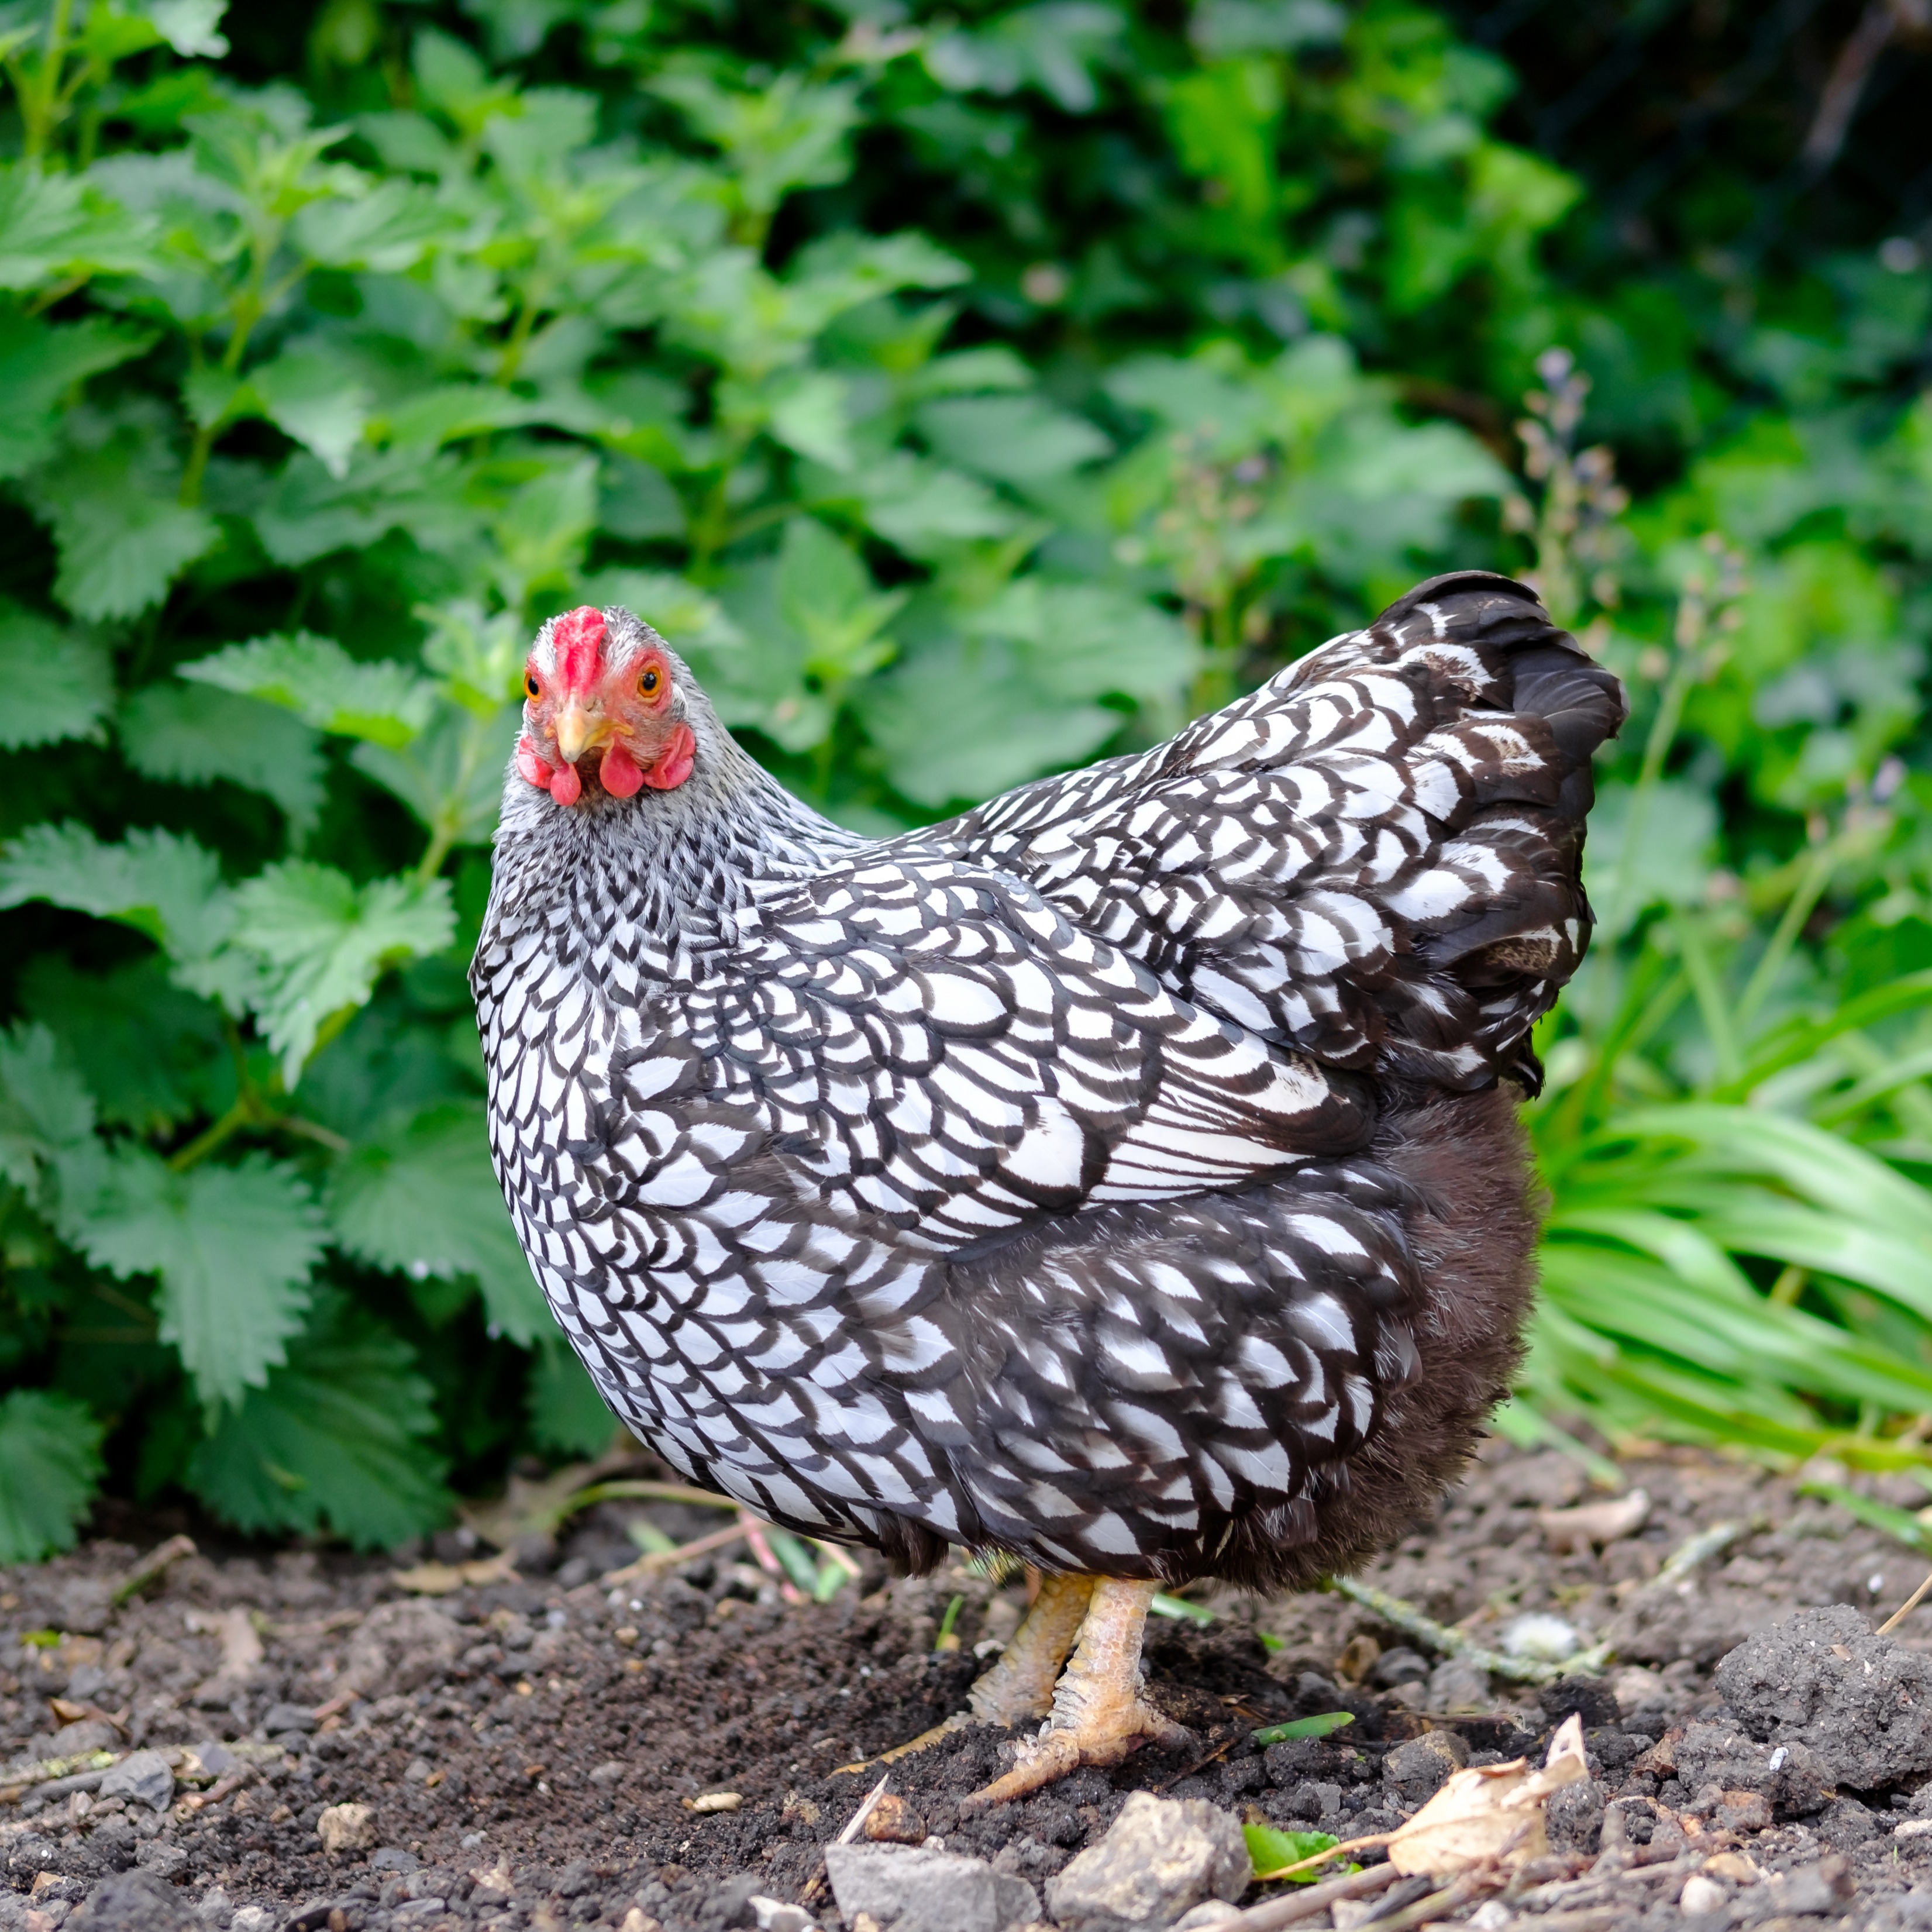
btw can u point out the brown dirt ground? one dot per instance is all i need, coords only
(530, 1748)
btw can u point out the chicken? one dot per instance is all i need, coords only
(1124, 1175)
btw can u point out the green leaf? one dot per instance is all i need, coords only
(421, 1198)
(309, 513)
(1085, 641)
(188, 26)
(233, 1247)
(323, 941)
(112, 498)
(451, 777)
(1017, 439)
(311, 396)
(1321, 1726)
(151, 1055)
(50, 1464)
(826, 596)
(162, 884)
(388, 230)
(958, 722)
(59, 682)
(1270, 1850)
(321, 684)
(193, 736)
(338, 1436)
(567, 1414)
(539, 538)
(59, 227)
(45, 1111)
(1180, 1609)
(40, 362)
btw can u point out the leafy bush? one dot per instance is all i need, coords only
(965, 398)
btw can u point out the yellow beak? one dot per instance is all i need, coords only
(575, 727)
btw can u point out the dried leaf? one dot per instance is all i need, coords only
(439, 1579)
(1492, 1811)
(1596, 1523)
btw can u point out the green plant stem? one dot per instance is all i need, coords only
(243, 1114)
(39, 102)
(1656, 747)
(1822, 862)
(1453, 1643)
(1711, 998)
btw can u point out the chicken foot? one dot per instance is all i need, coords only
(1018, 1689)
(1099, 1714)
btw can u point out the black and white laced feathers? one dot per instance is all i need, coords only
(1116, 1174)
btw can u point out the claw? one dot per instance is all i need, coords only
(1098, 1715)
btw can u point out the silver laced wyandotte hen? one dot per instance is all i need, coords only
(1125, 1175)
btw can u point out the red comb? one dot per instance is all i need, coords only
(578, 638)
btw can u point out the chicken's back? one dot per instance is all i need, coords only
(1375, 858)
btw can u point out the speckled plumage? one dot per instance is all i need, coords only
(1088, 1175)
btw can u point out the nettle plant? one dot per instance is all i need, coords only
(308, 423)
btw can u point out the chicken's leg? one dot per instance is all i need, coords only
(1018, 1689)
(1098, 1715)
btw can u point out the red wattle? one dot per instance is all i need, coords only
(529, 766)
(618, 773)
(674, 763)
(566, 786)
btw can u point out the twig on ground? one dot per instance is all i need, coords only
(1453, 1643)
(867, 1805)
(152, 1566)
(820, 1883)
(767, 1557)
(1310, 1902)
(669, 1559)
(1702, 1547)
(1905, 1609)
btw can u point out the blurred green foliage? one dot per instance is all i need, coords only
(966, 392)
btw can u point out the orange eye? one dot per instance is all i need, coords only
(531, 687)
(649, 684)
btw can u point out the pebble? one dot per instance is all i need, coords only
(912, 1889)
(1700, 1895)
(347, 1828)
(280, 1717)
(142, 1776)
(1161, 1857)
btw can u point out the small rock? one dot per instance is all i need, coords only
(713, 1801)
(1419, 1768)
(418, 1770)
(347, 1828)
(1821, 1888)
(1400, 1666)
(1161, 1857)
(1700, 1895)
(280, 1717)
(393, 1858)
(91, 1734)
(1788, 1776)
(1861, 1702)
(143, 1778)
(1845, 1822)
(610, 1772)
(1458, 1683)
(414, 1911)
(892, 1821)
(134, 1901)
(214, 1911)
(1210, 1911)
(399, 1647)
(1572, 1816)
(1592, 1700)
(215, 1758)
(164, 1861)
(908, 1888)
(774, 1915)
(252, 1919)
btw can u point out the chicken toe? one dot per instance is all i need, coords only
(1098, 1714)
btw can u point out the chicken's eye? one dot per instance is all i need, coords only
(531, 687)
(649, 683)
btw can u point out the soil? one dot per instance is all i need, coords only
(531, 1749)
